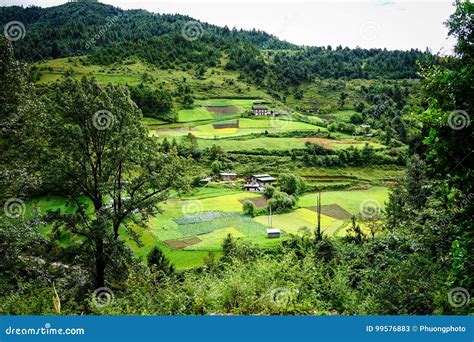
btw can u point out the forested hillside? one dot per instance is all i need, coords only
(112, 35)
(147, 159)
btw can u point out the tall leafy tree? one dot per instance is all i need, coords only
(100, 150)
(21, 114)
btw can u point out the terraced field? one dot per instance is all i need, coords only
(190, 227)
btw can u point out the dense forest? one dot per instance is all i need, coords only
(82, 28)
(114, 176)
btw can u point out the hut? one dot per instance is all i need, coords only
(261, 110)
(228, 176)
(273, 233)
(206, 180)
(258, 182)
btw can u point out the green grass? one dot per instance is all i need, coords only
(243, 224)
(343, 115)
(271, 144)
(293, 222)
(213, 240)
(185, 259)
(217, 82)
(246, 125)
(153, 121)
(178, 220)
(243, 103)
(363, 173)
(195, 114)
(210, 191)
(252, 144)
(349, 200)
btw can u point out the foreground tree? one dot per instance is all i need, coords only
(449, 137)
(156, 258)
(21, 112)
(100, 150)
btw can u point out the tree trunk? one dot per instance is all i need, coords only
(99, 264)
(318, 210)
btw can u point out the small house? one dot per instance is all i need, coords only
(253, 187)
(273, 233)
(261, 110)
(258, 182)
(228, 176)
(206, 180)
(264, 179)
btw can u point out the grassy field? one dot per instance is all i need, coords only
(211, 213)
(275, 144)
(348, 200)
(245, 104)
(195, 114)
(196, 223)
(216, 83)
(190, 119)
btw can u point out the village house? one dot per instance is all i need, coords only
(273, 232)
(261, 110)
(228, 176)
(258, 182)
(206, 180)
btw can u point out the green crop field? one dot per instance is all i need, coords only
(211, 213)
(195, 114)
(217, 82)
(348, 200)
(244, 104)
(195, 223)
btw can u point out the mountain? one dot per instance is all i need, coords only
(108, 35)
(68, 30)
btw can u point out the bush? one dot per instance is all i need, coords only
(248, 208)
(281, 201)
(291, 184)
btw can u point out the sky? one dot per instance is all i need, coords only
(391, 24)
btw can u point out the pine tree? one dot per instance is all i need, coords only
(157, 259)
